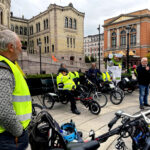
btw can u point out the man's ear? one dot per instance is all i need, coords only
(10, 47)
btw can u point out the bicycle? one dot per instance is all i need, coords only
(134, 126)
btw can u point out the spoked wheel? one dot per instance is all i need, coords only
(100, 98)
(116, 98)
(120, 91)
(94, 107)
(48, 101)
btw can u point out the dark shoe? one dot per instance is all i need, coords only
(141, 107)
(76, 112)
(147, 105)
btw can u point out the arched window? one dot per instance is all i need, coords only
(133, 37)
(74, 24)
(1, 16)
(16, 29)
(12, 27)
(70, 23)
(21, 30)
(113, 39)
(25, 30)
(123, 38)
(46, 23)
(66, 22)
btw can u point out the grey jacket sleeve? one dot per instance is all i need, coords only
(8, 118)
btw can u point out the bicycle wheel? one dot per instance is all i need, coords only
(94, 107)
(64, 99)
(100, 98)
(120, 91)
(48, 101)
(36, 108)
(116, 98)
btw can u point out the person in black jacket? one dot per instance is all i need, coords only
(92, 73)
(143, 76)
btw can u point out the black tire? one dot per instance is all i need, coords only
(94, 107)
(121, 91)
(130, 90)
(64, 100)
(36, 108)
(48, 101)
(101, 99)
(115, 97)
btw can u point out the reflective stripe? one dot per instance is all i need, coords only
(68, 84)
(21, 98)
(24, 117)
(61, 78)
(63, 88)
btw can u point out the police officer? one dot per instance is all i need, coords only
(67, 87)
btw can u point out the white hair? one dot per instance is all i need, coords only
(144, 58)
(7, 37)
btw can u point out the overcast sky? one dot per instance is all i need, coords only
(96, 11)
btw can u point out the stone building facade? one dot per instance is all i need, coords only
(60, 30)
(115, 33)
(91, 46)
(4, 14)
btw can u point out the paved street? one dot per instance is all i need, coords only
(87, 121)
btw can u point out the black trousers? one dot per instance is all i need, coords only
(70, 96)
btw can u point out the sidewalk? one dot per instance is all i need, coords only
(87, 121)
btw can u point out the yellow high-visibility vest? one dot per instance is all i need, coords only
(106, 76)
(21, 96)
(67, 82)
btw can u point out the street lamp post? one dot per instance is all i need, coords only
(128, 28)
(39, 44)
(99, 46)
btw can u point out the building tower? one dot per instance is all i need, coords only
(4, 14)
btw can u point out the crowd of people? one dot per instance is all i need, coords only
(15, 99)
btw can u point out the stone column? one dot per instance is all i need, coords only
(108, 39)
(118, 37)
(138, 34)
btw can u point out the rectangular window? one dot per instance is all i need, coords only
(74, 43)
(44, 24)
(37, 41)
(71, 42)
(53, 48)
(45, 49)
(48, 49)
(47, 39)
(67, 41)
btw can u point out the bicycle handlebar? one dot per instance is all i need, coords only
(142, 114)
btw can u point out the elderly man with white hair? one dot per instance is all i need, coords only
(143, 76)
(15, 99)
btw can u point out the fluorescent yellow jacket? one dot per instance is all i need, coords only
(74, 75)
(21, 96)
(106, 76)
(68, 84)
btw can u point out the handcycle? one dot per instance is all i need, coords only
(116, 96)
(89, 88)
(50, 98)
(127, 85)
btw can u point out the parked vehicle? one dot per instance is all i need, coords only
(134, 126)
(128, 85)
(50, 98)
